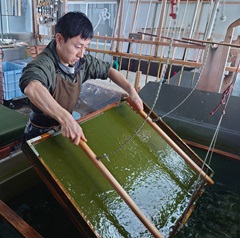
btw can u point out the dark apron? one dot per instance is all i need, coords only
(66, 94)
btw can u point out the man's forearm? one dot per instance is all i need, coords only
(43, 100)
(121, 81)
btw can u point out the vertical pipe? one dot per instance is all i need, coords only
(120, 23)
(194, 19)
(7, 16)
(149, 8)
(115, 27)
(154, 18)
(19, 8)
(135, 15)
(160, 24)
(212, 20)
(126, 19)
(1, 20)
(183, 18)
(13, 7)
(199, 18)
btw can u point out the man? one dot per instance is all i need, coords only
(52, 81)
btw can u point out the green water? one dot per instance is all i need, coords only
(216, 215)
(217, 212)
(153, 174)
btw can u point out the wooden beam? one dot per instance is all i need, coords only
(204, 147)
(150, 58)
(157, 43)
(17, 222)
(211, 42)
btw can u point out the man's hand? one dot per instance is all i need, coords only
(71, 129)
(41, 98)
(135, 102)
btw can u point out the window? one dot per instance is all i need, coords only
(101, 14)
(16, 16)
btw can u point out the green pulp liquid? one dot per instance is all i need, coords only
(152, 173)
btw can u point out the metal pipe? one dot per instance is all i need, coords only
(194, 19)
(19, 13)
(120, 23)
(160, 24)
(210, 25)
(135, 15)
(1, 19)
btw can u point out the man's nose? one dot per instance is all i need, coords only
(81, 53)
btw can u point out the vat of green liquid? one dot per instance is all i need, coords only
(157, 179)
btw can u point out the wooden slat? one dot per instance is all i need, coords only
(176, 43)
(148, 58)
(17, 222)
(221, 152)
(212, 42)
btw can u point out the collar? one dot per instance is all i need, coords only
(67, 69)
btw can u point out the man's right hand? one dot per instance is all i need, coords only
(71, 129)
(42, 99)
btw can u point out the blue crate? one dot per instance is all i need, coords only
(22, 62)
(8, 95)
(11, 75)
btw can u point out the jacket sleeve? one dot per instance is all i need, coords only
(94, 68)
(39, 69)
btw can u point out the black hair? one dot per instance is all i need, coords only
(74, 24)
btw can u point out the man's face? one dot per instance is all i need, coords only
(72, 50)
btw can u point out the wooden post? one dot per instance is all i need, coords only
(211, 78)
(120, 23)
(160, 25)
(137, 79)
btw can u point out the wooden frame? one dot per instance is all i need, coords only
(62, 195)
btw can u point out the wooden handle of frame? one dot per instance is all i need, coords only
(191, 163)
(100, 166)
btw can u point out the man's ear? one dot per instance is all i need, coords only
(59, 39)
